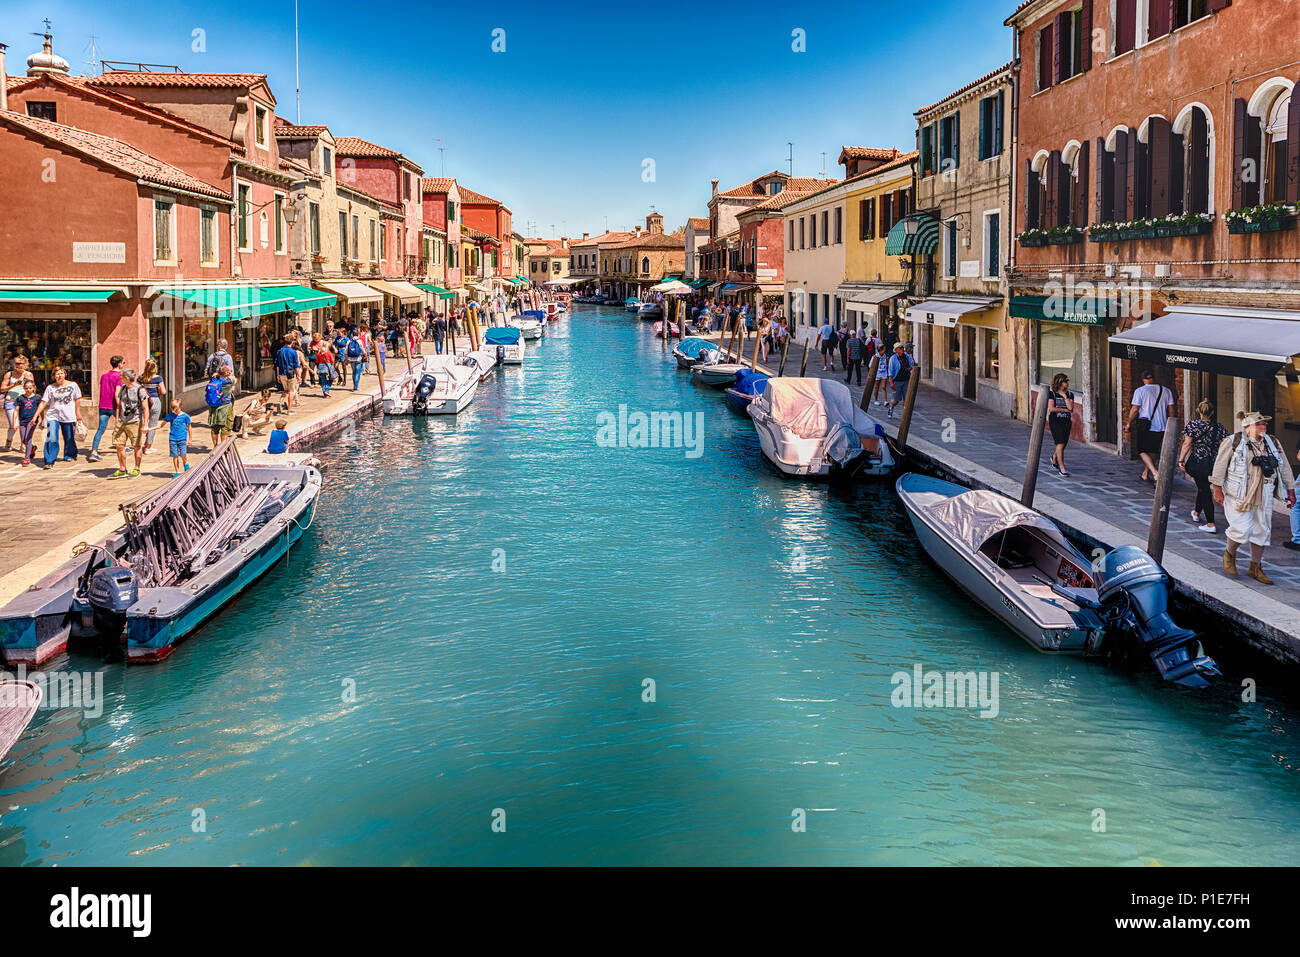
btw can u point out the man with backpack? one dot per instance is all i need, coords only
(287, 364)
(354, 355)
(853, 358)
(128, 405)
(219, 394)
(900, 373)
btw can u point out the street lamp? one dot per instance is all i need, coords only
(911, 226)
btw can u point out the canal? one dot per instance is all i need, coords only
(463, 639)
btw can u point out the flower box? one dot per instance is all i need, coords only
(1069, 240)
(1103, 235)
(1241, 227)
(1169, 230)
(1138, 232)
(1033, 240)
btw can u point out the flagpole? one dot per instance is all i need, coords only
(297, 81)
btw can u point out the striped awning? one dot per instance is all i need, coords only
(229, 302)
(923, 243)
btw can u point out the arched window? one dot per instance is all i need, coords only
(645, 264)
(1192, 147)
(1072, 204)
(1275, 153)
(1036, 199)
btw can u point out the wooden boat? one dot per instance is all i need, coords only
(693, 351)
(185, 551)
(19, 701)
(749, 384)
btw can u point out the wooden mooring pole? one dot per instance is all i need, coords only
(871, 378)
(803, 366)
(1038, 420)
(785, 348)
(1164, 489)
(909, 403)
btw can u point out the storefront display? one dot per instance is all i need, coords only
(197, 346)
(47, 343)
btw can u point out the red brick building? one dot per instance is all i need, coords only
(441, 198)
(1157, 166)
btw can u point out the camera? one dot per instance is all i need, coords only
(1267, 464)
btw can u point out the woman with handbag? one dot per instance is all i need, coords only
(1060, 418)
(1201, 441)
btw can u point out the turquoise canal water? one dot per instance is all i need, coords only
(770, 615)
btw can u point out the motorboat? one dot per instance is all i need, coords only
(1017, 564)
(186, 551)
(749, 384)
(632, 304)
(650, 310)
(693, 351)
(437, 385)
(483, 360)
(506, 343)
(554, 310)
(719, 375)
(19, 701)
(674, 330)
(531, 323)
(812, 428)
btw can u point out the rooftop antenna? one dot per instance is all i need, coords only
(823, 165)
(297, 80)
(93, 61)
(791, 145)
(442, 155)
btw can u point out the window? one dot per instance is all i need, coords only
(383, 243)
(245, 210)
(1191, 159)
(826, 305)
(992, 245)
(826, 237)
(950, 249)
(927, 150)
(1059, 350)
(839, 225)
(952, 349)
(1279, 139)
(343, 235)
(327, 160)
(207, 236)
(867, 219)
(989, 365)
(356, 237)
(1069, 45)
(773, 188)
(950, 142)
(374, 228)
(991, 111)
(1189, 11)
(278, 208)
(812, 310)
(259, 124)
(812, 231)
(163, 222)
(43, 111)
(1045, 54)
(313, 220)
(802, 244)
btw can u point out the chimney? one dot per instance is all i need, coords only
(715, 187)
(4, 80)
(636, 232)
(584, 235)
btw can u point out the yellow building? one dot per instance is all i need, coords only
(874, 281)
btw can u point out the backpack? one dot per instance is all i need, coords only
(353, 350)
(212, 394)
(904, 368)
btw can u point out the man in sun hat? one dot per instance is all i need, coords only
(1249, 472)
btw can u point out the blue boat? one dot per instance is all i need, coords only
(687, 352)
(506, 343)
(502, 336)
(632, 304)
(749, 384)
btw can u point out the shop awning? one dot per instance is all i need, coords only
(351, 291)
(731, 288)
(868, 300)
(305, 298)
(430, 287)
(57, 297)
(1249, 344)
(402, 291)
(948, 312)
(1075, 310)
(698, 283)
(923, 242)
(234, 302)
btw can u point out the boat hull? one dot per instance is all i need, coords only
(450, 405)
(719, 377)
(805, 459)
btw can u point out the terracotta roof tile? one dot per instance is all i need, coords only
(146, 78)
(700, 222)
(653, 241)
(356, 146)
(868, 152)
(284, 128)
(114, 153)
(473, 198)
(969, 86)
(437, 184)
(753, 189)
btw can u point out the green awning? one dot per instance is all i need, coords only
(57, 296)
(1077, 310)
(924, 243)
(305, 298)
(698, 283)
(236, 302)
(430, 287)
(446, 295)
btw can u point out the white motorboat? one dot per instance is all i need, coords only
(650, 310)
(720, 375)
(438, 385)
(693, 351)
(484, 360)
(811, 428)
(531, 323)
(506, 343)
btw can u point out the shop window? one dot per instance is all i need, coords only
(196, 345)
(47, 343)
(989, 367)
(1059, 350)
(952, 350)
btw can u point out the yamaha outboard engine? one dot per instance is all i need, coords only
(111, 592)
(845, 453)
(420, 401)
(501, 354)
(1134, 594)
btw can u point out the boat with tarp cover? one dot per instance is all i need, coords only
(812, 428)
(693, 351)
(506, 343)
(186, 550)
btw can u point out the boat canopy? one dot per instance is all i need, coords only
(501, 336)
(974, 517)
(750, 382)
(692, 345)
(811, 407)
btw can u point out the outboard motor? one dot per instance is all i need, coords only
(845, 453)
(111, 592)
(1134, 594)
(420, 401)
(501, 354)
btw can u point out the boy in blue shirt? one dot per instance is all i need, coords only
(179, 436)
(279, 442)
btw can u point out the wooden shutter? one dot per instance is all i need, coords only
(1126, 25)
(1246, 135)
(956, 139)
(1085, 37)
(1105, 211)
(1081, 196)
(1138, 174)
(1293, 147)
(1158, 134)
(986, 122)
(998, 109)
(1051, 211)
(1162, 18)
(1046, 58)
(1064, 196)
(871, 218)
(1198, 170)
(1120, 185)
(1059, 47)
(1178, 174)
(862, 223)
(1033, 215)
(1217, 5)
(926, 160)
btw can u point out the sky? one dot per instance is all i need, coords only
(584, 116)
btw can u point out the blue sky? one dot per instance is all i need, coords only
(559, 125)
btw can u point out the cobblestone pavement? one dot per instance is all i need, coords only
(1100, 483)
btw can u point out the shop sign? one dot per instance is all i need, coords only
(99, 252)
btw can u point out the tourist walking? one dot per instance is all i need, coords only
(61, 413)
(130, 407)
(843, 336)
(1060, 419)
(180, 434)
(323, 358)
(108, 385)
(764, 337)
(853, 352)
(1201, 440)
(900, 373)
(12, 387)
(826, 342)
(1250, 471)
(219, 395)
(157, 389)
(26, 407)
(287, 364)
(439, 333)
(1148, 412)
(880, 388)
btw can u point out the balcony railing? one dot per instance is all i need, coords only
(413, 265)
